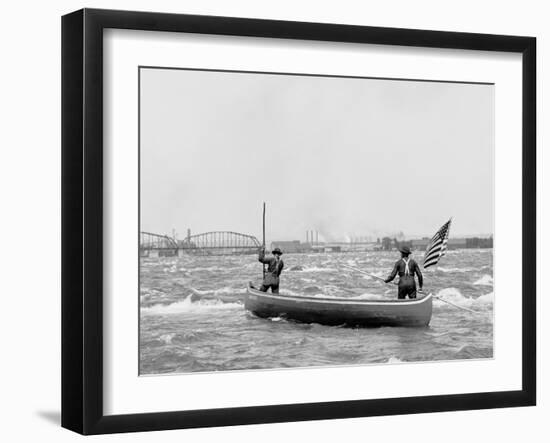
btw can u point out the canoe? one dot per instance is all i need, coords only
(340, 311)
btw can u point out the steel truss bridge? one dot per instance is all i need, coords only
(161, 244)
(207, 243)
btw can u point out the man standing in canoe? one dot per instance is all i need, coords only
(406, 267)
(274, 268)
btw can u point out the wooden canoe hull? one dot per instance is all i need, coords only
(341, 311)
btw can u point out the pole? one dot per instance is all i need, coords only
(263, 238)
(364, 272)
(456, 306)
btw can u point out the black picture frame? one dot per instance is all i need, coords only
(82, 220)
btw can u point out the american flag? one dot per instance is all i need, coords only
(437, 246)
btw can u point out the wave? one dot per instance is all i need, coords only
(488, 298)
(469, 351)
(220, 268)
(188, 306)
(167, 338)
(376, 275)
(453, 295)
(287, 291)
(375, 272)
(316, 269)
(394, 360)
(221, 291)
(465, 269)
(150, 292)
(485, 280)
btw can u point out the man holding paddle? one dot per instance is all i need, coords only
(406, 267)
(274, 268)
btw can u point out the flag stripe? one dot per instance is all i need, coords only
(437, 246)
(433, 256)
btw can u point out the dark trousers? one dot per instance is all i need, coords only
(407, 287)
(274, 288)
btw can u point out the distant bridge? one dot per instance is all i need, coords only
(207, 243)
(151, 244)
(148, 240)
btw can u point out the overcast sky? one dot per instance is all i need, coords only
(346, 157)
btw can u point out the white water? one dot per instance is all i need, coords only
(187, 306)
(192, 320)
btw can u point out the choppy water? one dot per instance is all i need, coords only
(192, 318)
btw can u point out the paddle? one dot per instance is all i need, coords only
(456, 306)
(364, 272)
(434, 296)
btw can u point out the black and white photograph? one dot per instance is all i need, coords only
(294, 221)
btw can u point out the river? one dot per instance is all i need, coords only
(192, 317)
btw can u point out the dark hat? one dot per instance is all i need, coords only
(277, 251)
(405, 249)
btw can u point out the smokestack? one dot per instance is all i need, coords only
(316, 237)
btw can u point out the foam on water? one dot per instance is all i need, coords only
(288, 291)
(485, 280)
(486, 298)
(317, 269)
(454, 270)
(453, 295)
(211, 268)
(167, 338)
(221, 291)
(150, 292)
(187, 306)
(206, 291)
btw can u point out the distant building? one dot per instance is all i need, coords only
(455, 243)
(420, 244)
(387, 244)
(479, 242)
(293, 246)
(334, 248)
(403, 243)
